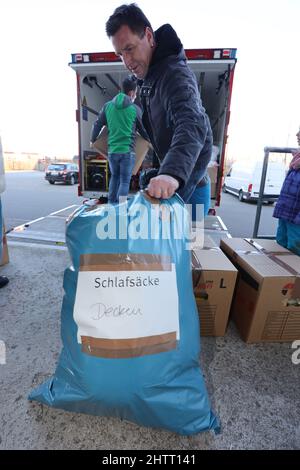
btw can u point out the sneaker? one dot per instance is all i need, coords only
(3, 281)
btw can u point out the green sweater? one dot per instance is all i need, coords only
(122, 118)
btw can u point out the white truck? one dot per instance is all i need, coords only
(99, 77)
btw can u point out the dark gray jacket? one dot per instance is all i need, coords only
(173, 115)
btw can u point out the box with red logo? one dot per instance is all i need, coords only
(214, 278)
(266, 304)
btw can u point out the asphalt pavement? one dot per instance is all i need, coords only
(29, 196)
(254, 389)
(239, 217)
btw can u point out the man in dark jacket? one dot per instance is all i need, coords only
(122, 118)
(173, 115)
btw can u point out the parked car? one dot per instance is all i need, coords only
(244, 179)
(62, 172)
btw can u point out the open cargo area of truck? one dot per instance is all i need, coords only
(99, 78)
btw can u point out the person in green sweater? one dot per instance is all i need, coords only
(122, 118)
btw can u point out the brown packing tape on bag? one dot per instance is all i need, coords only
(128, 353)
(124, 262)
(128, 343)
(133, 347)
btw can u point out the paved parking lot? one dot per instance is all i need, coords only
(254, 389)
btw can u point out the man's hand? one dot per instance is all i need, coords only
(162, 186)
(91, 145)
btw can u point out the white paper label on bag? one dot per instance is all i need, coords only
(127, 313)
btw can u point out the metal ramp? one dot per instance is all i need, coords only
(45, 230)
(51, 228)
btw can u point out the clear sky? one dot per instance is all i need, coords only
(38, 89)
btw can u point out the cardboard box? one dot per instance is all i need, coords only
(266, 305)
(212, 171)
(214, 279)
(141, 148)
(5, 258)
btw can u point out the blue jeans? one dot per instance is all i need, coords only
(201, 195)
(198, 172)
(121, 166)
(288, 235)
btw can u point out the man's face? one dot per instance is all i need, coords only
(135, 52)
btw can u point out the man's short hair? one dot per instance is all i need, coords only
(129, 15)
(129, 84)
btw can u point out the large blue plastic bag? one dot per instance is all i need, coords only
(129, 321)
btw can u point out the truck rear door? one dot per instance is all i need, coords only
(99, 78)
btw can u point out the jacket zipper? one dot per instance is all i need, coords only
(146, 99)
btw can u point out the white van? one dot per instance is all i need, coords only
(244, 179)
